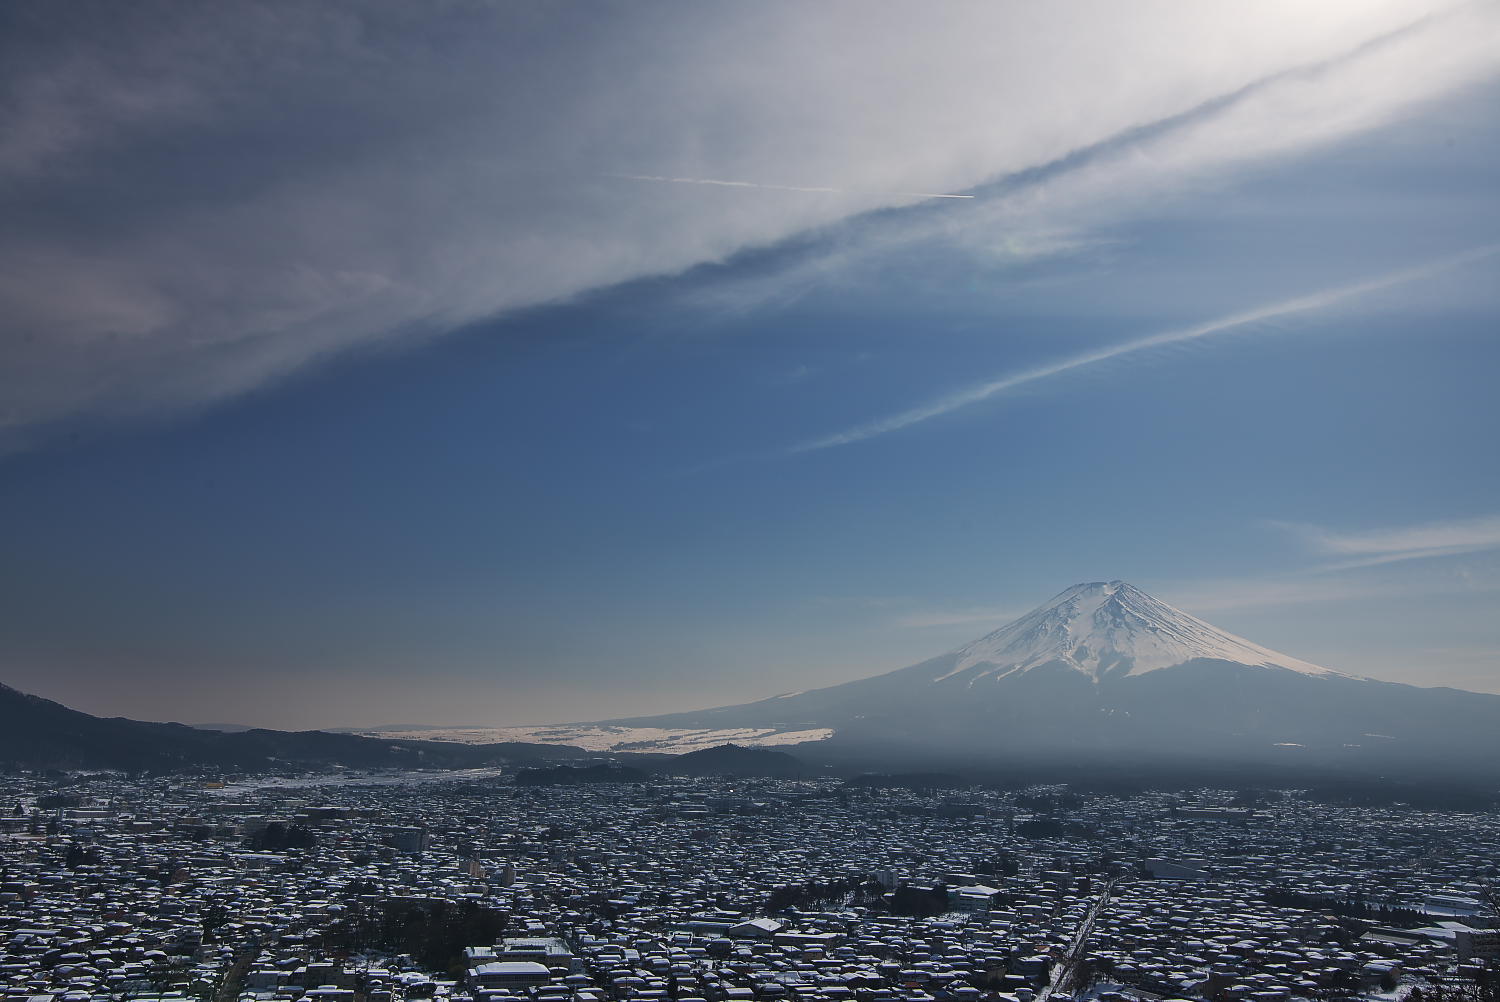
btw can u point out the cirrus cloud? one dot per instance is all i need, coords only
(1453, 537)
(203, 200)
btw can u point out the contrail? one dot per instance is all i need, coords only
(984, 391)
(777, 187)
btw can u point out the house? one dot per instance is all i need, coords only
(760, 928)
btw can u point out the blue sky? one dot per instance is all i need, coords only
(372, 384)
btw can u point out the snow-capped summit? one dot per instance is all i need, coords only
(1110, 628)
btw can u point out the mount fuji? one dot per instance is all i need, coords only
(1104, 668)
(1109, 629)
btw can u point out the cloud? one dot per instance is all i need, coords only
(820, 190)
(1203, 597)
(996, 387)
(199, 201)
(798, 373)
(1330, 582)
(1206, 597)
(1391, 545)
(996, 617)
(1060, 206)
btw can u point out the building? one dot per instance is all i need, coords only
(973, 897)
(508, 975)
(1477, 944)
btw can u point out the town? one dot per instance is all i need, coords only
(473, 886)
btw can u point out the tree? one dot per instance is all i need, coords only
(80, 856)
(1483, 986)
(435, 934)
(276, 836)
(213, 918)
(920, 902)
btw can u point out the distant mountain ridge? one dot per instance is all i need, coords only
(39, 733)
(1104, 669)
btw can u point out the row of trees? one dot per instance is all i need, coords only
(433, 933)
(818, 895)
(1355, 906)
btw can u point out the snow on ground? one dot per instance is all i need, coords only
(604, 738)
(388, 777)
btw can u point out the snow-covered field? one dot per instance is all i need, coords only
(602, 738)
(392, 777)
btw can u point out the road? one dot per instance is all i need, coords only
(1066, 969)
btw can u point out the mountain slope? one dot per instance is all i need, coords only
(1104, 668)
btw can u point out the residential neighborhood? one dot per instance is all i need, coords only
(472, 888)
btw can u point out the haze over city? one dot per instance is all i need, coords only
(510, 364)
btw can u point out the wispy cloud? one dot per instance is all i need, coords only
(453, 175)
(1328, 582)
(811, 189)
(1003, 384)
(1207, 597)
(796, 374)
(992, 617)
(1236, 594)
(1373, 547)
(1061, 205)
